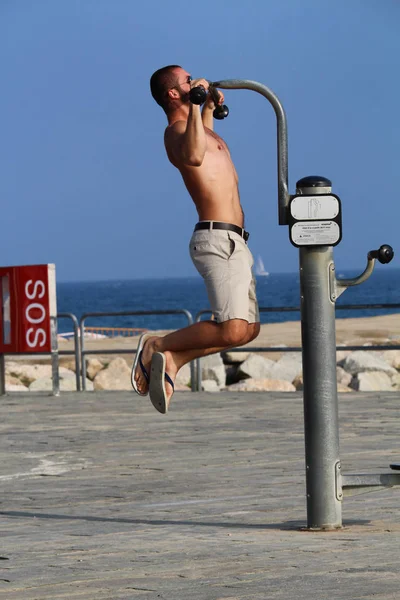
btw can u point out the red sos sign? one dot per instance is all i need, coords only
(27, 309)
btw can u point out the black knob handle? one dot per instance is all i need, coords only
(384, 254)
(221, 112)
(198, 95)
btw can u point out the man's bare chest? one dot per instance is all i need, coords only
(215, 143)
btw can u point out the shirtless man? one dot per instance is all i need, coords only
(218, 246)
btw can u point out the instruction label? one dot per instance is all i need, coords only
(315, 220)
(314, 207)
(315, 233)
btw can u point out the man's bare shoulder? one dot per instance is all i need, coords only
(175, 130)
(172, 140)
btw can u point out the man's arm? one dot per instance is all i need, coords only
(207, 114)
(208, 109)
(187, 142)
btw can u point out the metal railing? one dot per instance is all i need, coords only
(84, 352)
(111, 332)
(54, 358)
(79, 351)
(297, 348)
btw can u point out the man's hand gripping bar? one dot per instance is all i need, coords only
(198, 95)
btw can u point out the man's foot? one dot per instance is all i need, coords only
(162, 376)
(141, 366)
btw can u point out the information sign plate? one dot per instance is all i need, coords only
(315, 220)
(315, 233)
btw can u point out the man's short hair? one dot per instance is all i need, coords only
(160, 82)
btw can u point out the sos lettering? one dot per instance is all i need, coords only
(35, 314)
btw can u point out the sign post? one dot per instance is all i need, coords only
(314, 227)
(28, 315)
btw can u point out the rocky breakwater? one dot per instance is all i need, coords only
(25, 377)
(365, 371)
(230, 371)
(101, 374)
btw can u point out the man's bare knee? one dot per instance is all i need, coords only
(253, 331)
(234, 332)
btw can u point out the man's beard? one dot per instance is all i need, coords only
(184, 96)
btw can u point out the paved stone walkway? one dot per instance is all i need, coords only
(102, 498)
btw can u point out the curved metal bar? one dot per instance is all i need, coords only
(345, 283)
(282, 136)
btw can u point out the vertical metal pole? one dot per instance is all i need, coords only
(192, 363)
(282, 135)
(193, 375)
(77, 355)
(51, 270)
(77, 348)
(198, 375)
(83, 355)
(324, 509)
(2, 375)
(55, 373)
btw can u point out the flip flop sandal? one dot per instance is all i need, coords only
(138, 361)
(158, 377)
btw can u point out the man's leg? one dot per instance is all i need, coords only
(176, 360)
(208, 337)
(181, 358)
(224, 262)
(204, 336)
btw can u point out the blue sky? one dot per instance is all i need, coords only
(85, 182)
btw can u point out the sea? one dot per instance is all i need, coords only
(156, 295)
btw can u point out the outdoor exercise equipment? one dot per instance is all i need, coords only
(313, 215)
(198, 95)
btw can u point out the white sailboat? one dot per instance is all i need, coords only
(259, 268)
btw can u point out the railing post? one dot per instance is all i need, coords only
(198, 375)
(76, 346)
(77, 351)
(193, 376)
(2, 375)
(54, 357)
(82, 351)
(77, 354)
(196, 387)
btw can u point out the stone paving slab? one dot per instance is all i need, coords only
(103, 498)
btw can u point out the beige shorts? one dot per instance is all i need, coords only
(225, 262)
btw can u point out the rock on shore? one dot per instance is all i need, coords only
(244, 371)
